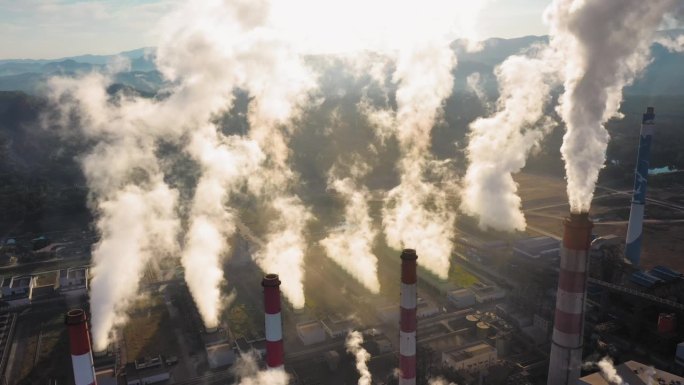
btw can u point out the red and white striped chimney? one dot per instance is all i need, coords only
(274, 324)
(79, 340)
(565, 360)
(407, 332)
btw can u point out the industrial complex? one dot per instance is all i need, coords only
(541, 307)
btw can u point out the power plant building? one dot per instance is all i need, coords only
(311, 333)
(149, 371)
(634, 373)
(18, 291)
(536, 247)
(461, 298)
(472, 359)
(73, 281)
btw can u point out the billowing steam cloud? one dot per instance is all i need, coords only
(224, 161)
(280, 82)
(208, 49)
(350, 245)
(416, 212)
(247, 372)
(608, 371)
(284, 250)
(137, 218)
(605, 44)
(353, 344)
(474, 82)
(672, 43)
(500, 144)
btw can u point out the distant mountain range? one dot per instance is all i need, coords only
(663, 77)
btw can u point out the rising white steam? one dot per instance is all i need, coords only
(416, 212)
(224, 162)
(136, 210)
(500, 144)
(280, 82)
(353, 343)
(608, 371)
(211, 48)
(207, 50)
(284, 247)
(247, 372)
(605, 44)
(350, 244)
(474, 82)
(439, 381)
(672, 43)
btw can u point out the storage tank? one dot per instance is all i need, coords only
(482, 330)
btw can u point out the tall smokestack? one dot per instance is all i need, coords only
(274, 323)
(407, 333)
(636, 215)
(79, 340)
(566, 348)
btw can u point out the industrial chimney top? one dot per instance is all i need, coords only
(75, 317)
(409, 254)
(270, 280)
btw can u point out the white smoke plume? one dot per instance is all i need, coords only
(350, 245)
(247, 372)
(672, 43)
(206, 51)
(353, 343)
(500, 144)
(608, 371)
(136, 210)
(605, 45)
(211, 48)
(285, 246)
(224, 161)
(474, 82)
(416, 212)
(439, 381)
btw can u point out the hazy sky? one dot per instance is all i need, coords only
(58, 28)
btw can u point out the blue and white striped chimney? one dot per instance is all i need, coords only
(636, 215)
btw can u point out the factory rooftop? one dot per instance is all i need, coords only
(460, 354)
(635, 373)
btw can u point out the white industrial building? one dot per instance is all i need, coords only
(18, 291)
(310, 332)
(461, 298)
(73, 281)
(486, 293)
(472, 359)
